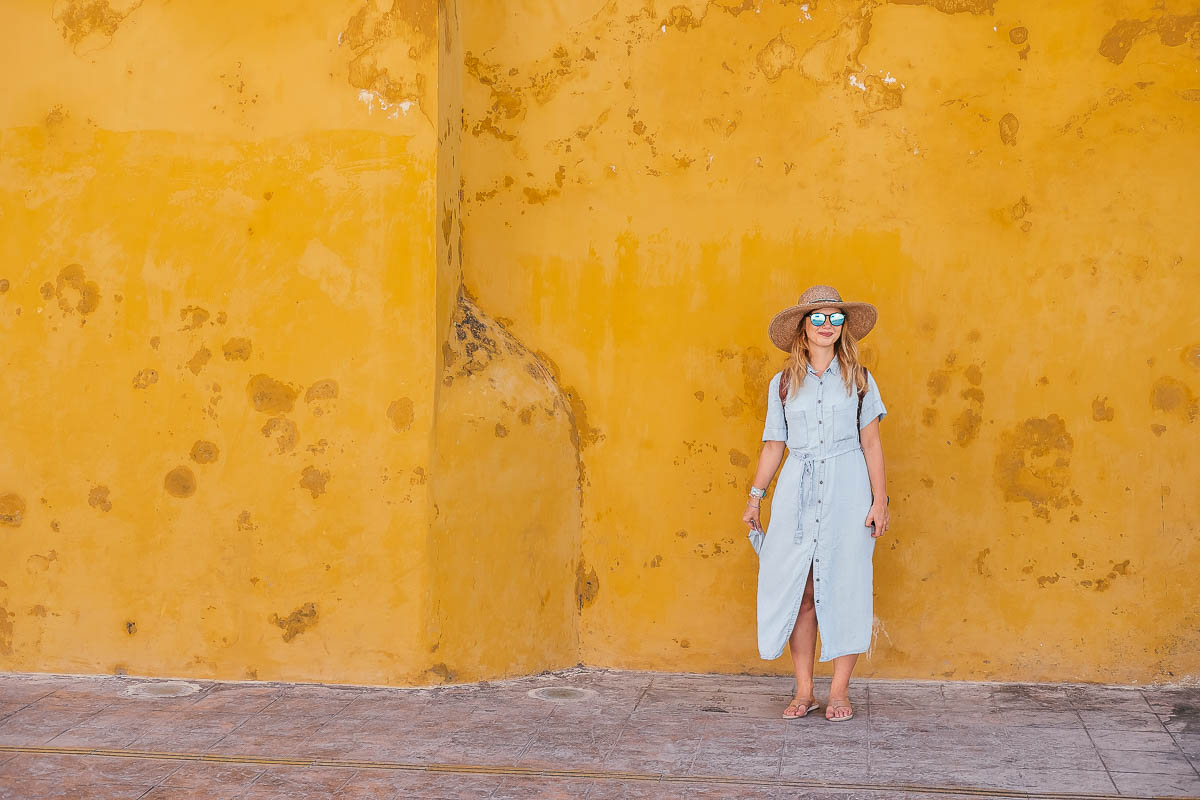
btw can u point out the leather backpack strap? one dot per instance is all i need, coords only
(861, 394)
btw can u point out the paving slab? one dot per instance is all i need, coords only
(596, 734)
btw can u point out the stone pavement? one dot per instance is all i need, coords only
(625, 735)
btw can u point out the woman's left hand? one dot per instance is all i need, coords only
(878, 517)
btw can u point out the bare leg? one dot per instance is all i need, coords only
(839, 688)
(803, 646)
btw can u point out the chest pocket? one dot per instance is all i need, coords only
(797, 428)
(845, 422)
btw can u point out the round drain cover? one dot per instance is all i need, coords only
(562, 694)
(162, 689)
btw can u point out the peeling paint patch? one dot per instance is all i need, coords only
(1173, 396)
(271, 396)
(40, 563)
(204, 452)
(145, 378)
(192, 317)
(245, 523)
(6, 631)
(75, 293)
(1034, 462)
(1009, 125)
(12, 510)
(197, 362)
(401, 413)
(738, 459)
(314, 480)
(1101, 411)
(98, 498)
(587, 584)
(776, 57)
(501, 431)
(180, 482)
(283, 431)
(89, 25)
(237, 349)
(953, 6)
(297, 622)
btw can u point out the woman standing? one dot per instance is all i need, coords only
(830, 503)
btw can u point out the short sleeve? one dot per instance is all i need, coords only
(872, 406)
(775, 429)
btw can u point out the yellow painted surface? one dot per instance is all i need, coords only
(362, 342)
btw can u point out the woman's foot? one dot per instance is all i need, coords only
(799, 706)
(838, 709)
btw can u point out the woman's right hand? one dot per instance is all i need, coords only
(751, 517)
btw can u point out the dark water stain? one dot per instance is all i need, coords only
(1101, 412)
(442, 671)
(3, 285)
(966, 426)
(245, 523)
(938, 383)
(738, 459)
(1173, 30)
(180, 482)
(130, 627)
(204, 452)
(1018, 35)
(979, 567)
(46, 290)
(501, 431)
(297, 622)
(587, 584)
(402, 414)
(283, 431)
(98, 498)
(12, 510)
(929, 417)
(314, 480)
(271, 396)
(237, 349)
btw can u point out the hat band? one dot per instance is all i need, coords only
(824, 300)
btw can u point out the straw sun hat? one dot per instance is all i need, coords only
(860, 317)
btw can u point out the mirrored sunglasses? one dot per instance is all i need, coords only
(835, 319)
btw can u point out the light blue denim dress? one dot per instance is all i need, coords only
(817, 510)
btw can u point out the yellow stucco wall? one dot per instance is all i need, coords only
(410, 343)
(1013, 183)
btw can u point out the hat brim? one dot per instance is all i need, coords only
(860, 319)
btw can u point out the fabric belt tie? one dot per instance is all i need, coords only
(810, 469)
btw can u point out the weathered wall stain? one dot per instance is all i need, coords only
(1173, 30)
(98, 498)
(75, 293)
(314, 480)
(587, 584)
(1172, 396)
(89, 25)
(180, 482)
(237, 349)
(145, 378)
(12, 510)
(1101, 411)
(204, 452)
(197, 361)
(401, 413)
(302, 619)
(271, 396)
(1034, 465)
(283, 431)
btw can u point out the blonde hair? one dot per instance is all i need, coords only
(854, 375)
